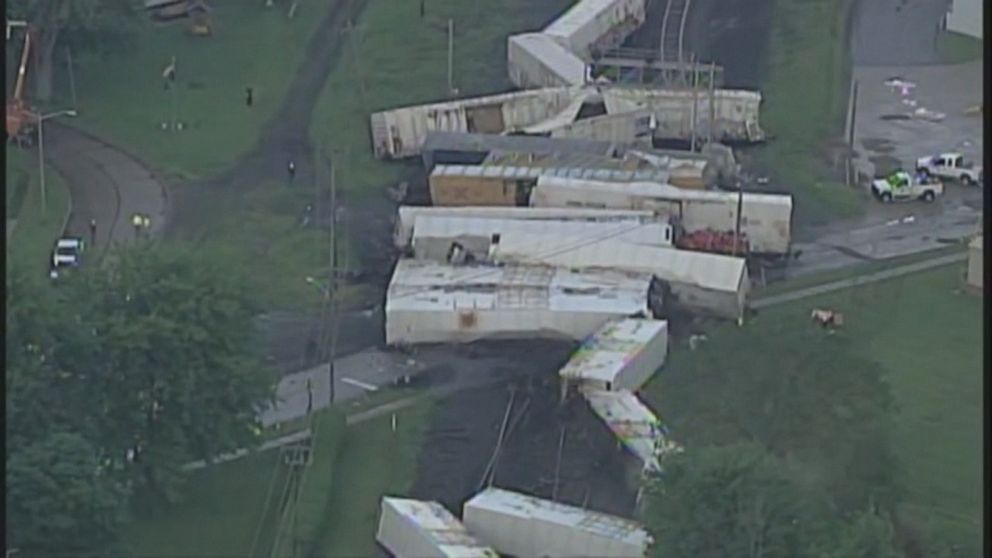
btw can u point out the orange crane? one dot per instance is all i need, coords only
(19, 118)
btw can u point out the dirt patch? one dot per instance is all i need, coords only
(459, 445)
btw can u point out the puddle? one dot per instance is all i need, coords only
(894, 117)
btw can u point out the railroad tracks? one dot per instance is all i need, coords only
(673, 30)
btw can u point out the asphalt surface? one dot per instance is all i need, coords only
(896, 32)
(106, 184)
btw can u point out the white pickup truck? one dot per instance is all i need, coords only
(900, 185)
(952, 166)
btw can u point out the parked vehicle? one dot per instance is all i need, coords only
(68, 253)
(953, 166)
(902, 186)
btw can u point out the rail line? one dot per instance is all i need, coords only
(673, 29)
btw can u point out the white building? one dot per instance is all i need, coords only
(623, 355)
(415, 529)
(965, 17)
(429, 302)
(522, 525)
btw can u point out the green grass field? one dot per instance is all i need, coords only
(926, 333)
(373, 461)
(394, 58)
(956, 48)
(29, 246)
(223, 507)
(805, 104)
(251, 46)
(351, 470)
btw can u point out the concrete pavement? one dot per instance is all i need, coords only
(106, 184)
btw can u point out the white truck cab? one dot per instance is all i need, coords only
(902, 186)
(952, 166)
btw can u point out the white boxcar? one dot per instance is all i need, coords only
(623, 355)
(766, 219)
(429, 302)
(535, 60)
(408, 214)
(597, 24)
(522, 525)
(441, 238)
(735, 112)
(416, 529)
(633, 423)
(706, 283)
(400, 132)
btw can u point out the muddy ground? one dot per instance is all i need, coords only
(458, 449)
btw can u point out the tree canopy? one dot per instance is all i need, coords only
(87, 24)
(137, 367)
(815, 401)
(738, 500)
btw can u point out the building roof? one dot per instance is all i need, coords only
(632, 422)
(640, 231)
(533, 173)
(553, 55)
(530, 508)
(708, 271)
(604, 355)
(448, 534)
(429, 286)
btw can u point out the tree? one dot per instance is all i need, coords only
(59, 499)
(867, 534)
(734, 500)
(92, 24)
(181, 376)
(805, 396)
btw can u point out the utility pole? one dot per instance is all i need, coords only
(850, 134)
(740, 208)
(72, 76)
(712, 100)
(333, 284)
(451, 55)
(695, 102)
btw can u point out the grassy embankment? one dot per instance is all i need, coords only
(805, 105)
(926, 333)
(35, 232)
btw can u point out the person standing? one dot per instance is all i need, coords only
(137, 222)
(249, 96)
(93, 232)
(292, 170)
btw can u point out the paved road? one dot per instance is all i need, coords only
(106, 184)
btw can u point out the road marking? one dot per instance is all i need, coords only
(363, 385)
